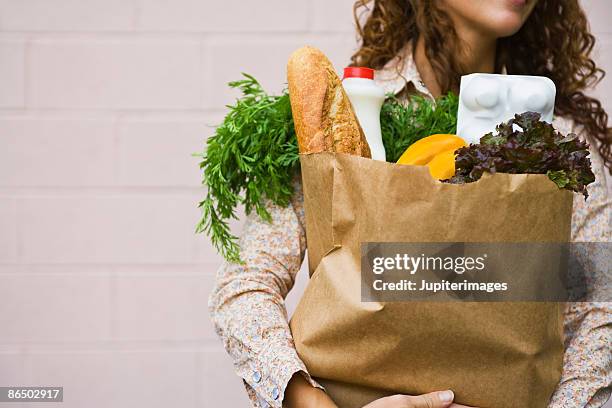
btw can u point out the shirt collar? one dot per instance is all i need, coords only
(399, 72)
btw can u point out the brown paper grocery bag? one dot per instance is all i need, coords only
(495, 354)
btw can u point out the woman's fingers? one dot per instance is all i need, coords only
(440, 399)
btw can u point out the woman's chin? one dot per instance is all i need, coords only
(507, 26)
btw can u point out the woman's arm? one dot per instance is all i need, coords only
(301, 394)
(587, 365)
(247, 304)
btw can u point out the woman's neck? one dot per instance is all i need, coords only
(478, 56)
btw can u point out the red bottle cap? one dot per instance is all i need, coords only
(358, 72)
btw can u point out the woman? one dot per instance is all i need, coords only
(424, 47)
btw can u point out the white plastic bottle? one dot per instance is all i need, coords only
(367, 99)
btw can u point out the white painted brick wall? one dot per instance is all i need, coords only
(67, 15)
(226, 16)
(12, 73)
(116, 73)
(45, 152)
(58, 307)
(103, 285)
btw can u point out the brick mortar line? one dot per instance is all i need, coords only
(107, 191)
(108, 111)
(119, 345)
(37, 35)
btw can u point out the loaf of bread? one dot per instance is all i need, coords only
(322, 112)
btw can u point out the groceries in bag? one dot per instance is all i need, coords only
(253, 155)
(494, 354)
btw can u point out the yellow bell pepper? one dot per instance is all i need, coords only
(442, 166)
(435, 151)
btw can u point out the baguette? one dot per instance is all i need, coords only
(322, 112)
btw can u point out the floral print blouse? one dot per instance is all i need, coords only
(248, 311)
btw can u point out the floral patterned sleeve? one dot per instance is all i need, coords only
(247, 304)
(587, 366)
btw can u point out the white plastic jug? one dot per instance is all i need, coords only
(367, 99)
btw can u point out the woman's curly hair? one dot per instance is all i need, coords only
(555, 42)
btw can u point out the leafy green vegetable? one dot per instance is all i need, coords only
(403, 124)
(253, 154)
(535, 148)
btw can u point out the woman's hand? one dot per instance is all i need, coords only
(300, 394)
(440, 399)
